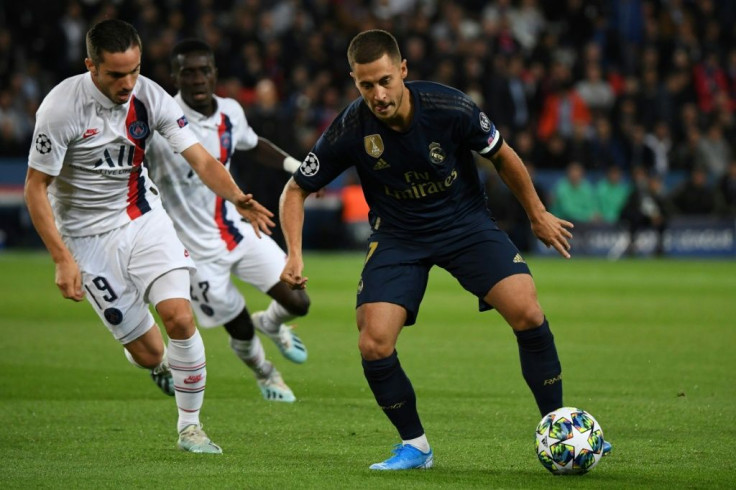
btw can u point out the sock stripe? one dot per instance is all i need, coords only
(188, 411)
(184, 389)
(187, 368)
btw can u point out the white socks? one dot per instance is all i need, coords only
(188, 369)
(420, 443)
(275, 315)
(252, 354)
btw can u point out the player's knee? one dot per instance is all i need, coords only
(298, 304)
(147, 359)
(526, 319)
(372, 349)
(179, 323)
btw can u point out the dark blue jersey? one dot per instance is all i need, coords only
(422, 180)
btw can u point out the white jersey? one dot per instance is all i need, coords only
(95, 149)
(208, 225)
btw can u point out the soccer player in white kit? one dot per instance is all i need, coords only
(100, 216)
(219, 242)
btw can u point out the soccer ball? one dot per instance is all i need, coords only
(569, 441)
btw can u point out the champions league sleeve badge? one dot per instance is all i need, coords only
(310, 165)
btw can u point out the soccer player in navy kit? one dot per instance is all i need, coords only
(412, 144)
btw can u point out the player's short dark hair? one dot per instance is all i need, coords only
(368, 46)
(112, 36)
(188, 46)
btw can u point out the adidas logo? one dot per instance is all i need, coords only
(381, 164)
(518, 259)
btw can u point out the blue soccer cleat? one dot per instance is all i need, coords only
(406, 457)
(289, 343)
(606, 448)
(274, 389)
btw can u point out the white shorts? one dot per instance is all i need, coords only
(119, 266)
(215, 298)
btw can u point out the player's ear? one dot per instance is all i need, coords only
(404, 69)
(90, 66)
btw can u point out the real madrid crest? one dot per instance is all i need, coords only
(373, 145)
(436, 153)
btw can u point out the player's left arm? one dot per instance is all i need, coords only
(269, 154)
(216, 177)
(549, 229)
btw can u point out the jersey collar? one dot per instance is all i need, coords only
(198, 117)
(101, 98)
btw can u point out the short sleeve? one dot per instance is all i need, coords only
(173, 124)
(51, 137)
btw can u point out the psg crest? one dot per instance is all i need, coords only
(138, 130)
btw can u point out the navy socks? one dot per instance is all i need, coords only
(394, 394)
(540, 366)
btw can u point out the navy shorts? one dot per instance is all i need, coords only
(396, 268)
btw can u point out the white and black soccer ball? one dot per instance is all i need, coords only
(310, 165)
(569, 441)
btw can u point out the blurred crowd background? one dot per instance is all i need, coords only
(623, 110)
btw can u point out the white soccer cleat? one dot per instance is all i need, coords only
(193, 439)
(289, 343)
(274, 389)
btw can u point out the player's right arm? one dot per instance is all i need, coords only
(291, 211)
(68, 277)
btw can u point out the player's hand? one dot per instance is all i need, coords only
(69, 280)
(256, 214)
(292, 273)
(554, 232)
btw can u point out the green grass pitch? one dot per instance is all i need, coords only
(647, 347)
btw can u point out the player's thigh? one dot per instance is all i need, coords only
(480, 264)
(515, 298)
(215, 299)
(259, 261)
(155, 250)
(394, 272)
(113, 294)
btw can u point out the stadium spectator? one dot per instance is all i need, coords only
(209, 227)
(100, 217)
(647, 208)
(574, 197)
(606, 147)
(612, 192)
(713, 152)
(424, 210)
(709, 79)
(637, 153)
(695, 196)
(659, 141)
(563, 107)
(581, 149)
(595, 90)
